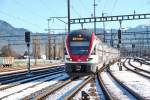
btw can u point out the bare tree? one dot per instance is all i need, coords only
(7, 51)
(36, 48)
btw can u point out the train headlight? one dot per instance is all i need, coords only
(89, 59)
(69, 59)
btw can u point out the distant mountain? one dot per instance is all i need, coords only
(15, 37)
(8, 30)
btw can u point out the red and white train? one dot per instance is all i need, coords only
(85, 53)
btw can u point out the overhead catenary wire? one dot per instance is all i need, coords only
(104, 5)
(113, 7)
(82, 5)
(28, 9)
(20, 19)
(44, 4)
(75, 11)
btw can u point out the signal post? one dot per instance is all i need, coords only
(27, 40)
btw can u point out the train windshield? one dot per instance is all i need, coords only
(79, 48)
(80, 42)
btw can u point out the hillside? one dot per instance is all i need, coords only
(8, 35)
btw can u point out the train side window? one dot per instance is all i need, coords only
(94, 51)
(65, 51)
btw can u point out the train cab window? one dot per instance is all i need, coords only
(79, 47)
(79, 50)
(79, 42)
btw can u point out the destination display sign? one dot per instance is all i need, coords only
(78, 38)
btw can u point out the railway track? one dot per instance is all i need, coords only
(67, 90)
(75, 91)
(143, 61)
(20, 72)
(27, 79)
(137, 70)
(9, 78)
(58, 85)
(45, 86)
(22, 90)
(74, 88)
(114, 89)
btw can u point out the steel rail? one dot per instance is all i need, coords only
(29, 86)
(7, 80)
(6, 86)
(24, 71)
(74, 92)
(129, 62)
(136, 95)
(18, 77)
(142, 61)
(148, 77)
(106, 92)
(43, 93)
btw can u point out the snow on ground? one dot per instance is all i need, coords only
(137, 64)
(60, 94)
(127, 64)
(85, 88)
(88, 88)
(136, 82)
(22, 90)
(99, 90)
(144, 59)
(115, 89)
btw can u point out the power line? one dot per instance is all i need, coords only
(27, 8)
(75, 11)
(114, 5)
(44, 4)
(106, 2)
(18, 18)
(82, 5)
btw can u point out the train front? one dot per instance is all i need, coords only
(80, 56)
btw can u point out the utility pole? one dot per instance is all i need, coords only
(68, 16)
(147, 36)
(36, 47)
(49, 41)
(54, 46)
(103, 25)
(94, 5)
(111, 38)
(60, 19)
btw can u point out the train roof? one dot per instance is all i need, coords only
(82, 31)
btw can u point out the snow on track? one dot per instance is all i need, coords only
(89, 88)
(60, 94)
(136, 82)
(137, 64)
(115, 89)
(129, 66)
(22, 90)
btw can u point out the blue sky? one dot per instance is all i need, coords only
(33, 14)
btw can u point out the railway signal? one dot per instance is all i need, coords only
(133, 45)
(27, 40)
(119, 36)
